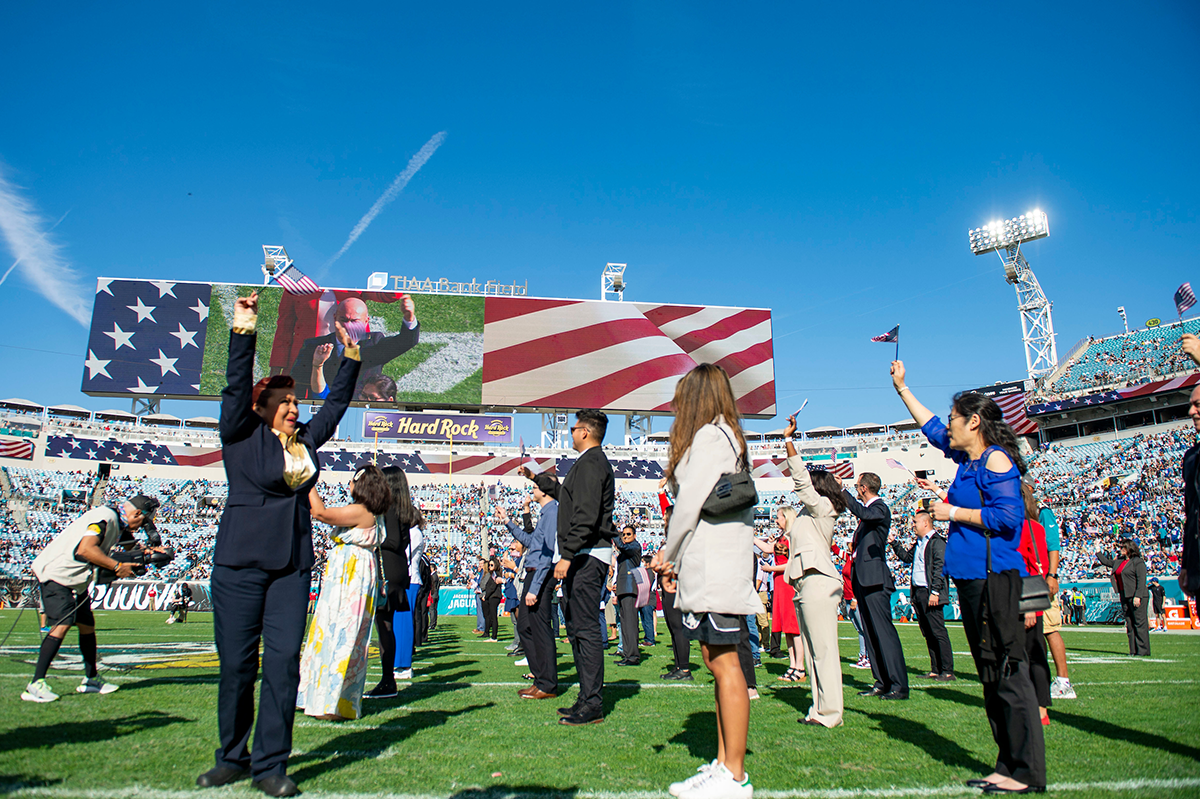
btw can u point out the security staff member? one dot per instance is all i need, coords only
(64, 568)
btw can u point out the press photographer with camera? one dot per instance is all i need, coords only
(64, 569)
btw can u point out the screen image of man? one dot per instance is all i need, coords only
(63, 570)
(320, 356)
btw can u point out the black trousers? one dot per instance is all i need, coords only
(932, 622)
(433, 609)
(1137, 627)
(491, 620)
(680, 643)
(420, 617)
(250, 605)
(883, 643)
(581, 597)
(1010, 702)
(745, 653)
(627, 605)
(1039, 666)
(537, 635)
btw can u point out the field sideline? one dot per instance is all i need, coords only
(459, 730)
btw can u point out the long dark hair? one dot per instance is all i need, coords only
(701, 396)
(992, 427)
(402, 508)
(829, 487)
(1131, 548)
(371, 489)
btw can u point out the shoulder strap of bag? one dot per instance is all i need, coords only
(739, 460)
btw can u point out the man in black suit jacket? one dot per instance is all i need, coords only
(629, 558)
(585, 529)
(873, 586)
(929, 592)
(263, 557)
(376, 349)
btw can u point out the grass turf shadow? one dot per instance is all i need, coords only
(1120, 734)
(74, 732)
(937, 746)
(11, 783)
(516, 792)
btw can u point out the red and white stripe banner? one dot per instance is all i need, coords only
(484, 465)
(16, 448)
(619, 355)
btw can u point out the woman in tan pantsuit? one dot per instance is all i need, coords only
(818, 582)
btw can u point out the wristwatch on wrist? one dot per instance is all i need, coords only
(1053, 574)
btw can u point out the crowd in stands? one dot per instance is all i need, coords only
(1099, 491)
(1126, 360)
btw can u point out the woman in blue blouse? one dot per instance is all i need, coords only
(986, 512)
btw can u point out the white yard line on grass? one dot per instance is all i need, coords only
(485, 792)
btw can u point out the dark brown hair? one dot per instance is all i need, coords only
(829, 487)
(871, 482)
(1131, 548)
(595, 421)
(701, 396)
(267, 385)
(1031, 506)
(371, 489)
(401, 505)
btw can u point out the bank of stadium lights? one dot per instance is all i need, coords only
(998, 235)
(1005, 237)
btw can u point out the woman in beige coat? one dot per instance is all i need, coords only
(818, 582)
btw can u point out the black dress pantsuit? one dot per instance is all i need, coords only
(263, 562)
(873, 587)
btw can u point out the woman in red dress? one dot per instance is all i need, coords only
(783, 600)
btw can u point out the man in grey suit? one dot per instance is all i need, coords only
(873, 587)
(929, 592)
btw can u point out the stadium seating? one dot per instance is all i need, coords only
(1128, 359)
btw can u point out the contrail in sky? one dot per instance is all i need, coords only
(392, 192)
(39, 258)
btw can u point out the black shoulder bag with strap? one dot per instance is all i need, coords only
(734, 491)
(1035, 591)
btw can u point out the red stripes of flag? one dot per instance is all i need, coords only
(1013, 408)
(21, 448)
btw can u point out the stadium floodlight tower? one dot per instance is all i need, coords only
(1037, 323)
(612, 281)
(275, 257)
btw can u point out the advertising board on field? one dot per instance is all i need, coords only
(171, 339)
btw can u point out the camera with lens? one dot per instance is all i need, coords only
(140, 558)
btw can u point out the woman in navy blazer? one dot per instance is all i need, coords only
(262, 563)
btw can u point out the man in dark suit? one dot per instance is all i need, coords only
(929, 592)
(629, 558)
(1189, 563)
(321, 356)
(585, 530)
(873, 586)
(263, 557)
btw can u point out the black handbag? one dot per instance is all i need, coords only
(1035, 591)
(734, 491)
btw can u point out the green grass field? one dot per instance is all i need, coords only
(459, 730)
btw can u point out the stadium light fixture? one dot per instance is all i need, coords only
(1009, 232)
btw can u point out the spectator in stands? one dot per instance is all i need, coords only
(1129, 581)
(333, 668)
(712, 558)
(817, 583)
(986, 513)
(264, 553)
(585, 522)
(63, 570)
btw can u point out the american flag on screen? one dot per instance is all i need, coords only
(842, 471)
(1013, 408)
(1184, 298)
(147, 337)
(113, 451)
(295, 282)
(16, 448)
(763, 468)
(619, 355)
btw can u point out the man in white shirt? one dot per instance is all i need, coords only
(64, 569)
(929, 592)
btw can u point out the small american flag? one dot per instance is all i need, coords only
(895, 464)
(1184, 298)
(892, 336)
(295, 282)
(16, 448)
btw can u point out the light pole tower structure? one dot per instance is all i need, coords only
(612, 281)
(1037, 322)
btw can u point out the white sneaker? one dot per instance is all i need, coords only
(406, 674)
(677, 788)
(719, 783)
(522, 662)
(170, 620)
(38, 691)
(1061, 689)
(95, 685)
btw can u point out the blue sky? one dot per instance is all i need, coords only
(825, 161)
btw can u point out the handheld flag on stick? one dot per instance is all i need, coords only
(889, 337)
(1184, 298)
(895, 464)
(527, 461)
(295, 282)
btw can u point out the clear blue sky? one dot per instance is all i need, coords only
(822, 160)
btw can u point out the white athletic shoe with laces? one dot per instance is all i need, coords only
(677, 788)
(406, 674)
(719, 783)
(96, 685)
(1061, 688)
(38, 691)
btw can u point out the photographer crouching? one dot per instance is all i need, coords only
(64, 569)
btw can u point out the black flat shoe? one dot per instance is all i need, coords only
(978, 783)
(993, 788)
(277, 785)
(871, 692)
(382, 691)
(895, 695)
(220, 775)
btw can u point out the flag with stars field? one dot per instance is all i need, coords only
(147, 337)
